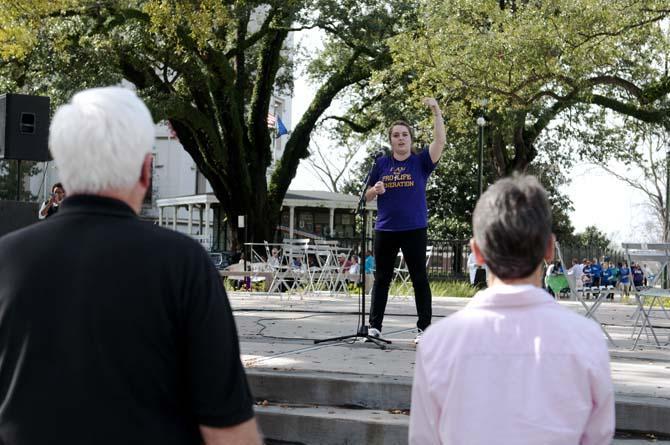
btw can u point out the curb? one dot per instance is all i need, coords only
(633, 413)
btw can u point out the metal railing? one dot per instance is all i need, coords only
(448, 260)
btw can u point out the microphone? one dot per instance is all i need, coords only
(381, 151)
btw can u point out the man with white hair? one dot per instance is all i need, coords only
(513, 366)
(137, 343)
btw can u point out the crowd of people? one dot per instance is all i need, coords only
(606, 273)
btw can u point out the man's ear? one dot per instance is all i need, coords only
(479, 258)
(549, 253)
(145, 174)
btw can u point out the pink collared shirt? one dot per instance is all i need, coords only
(512, 367)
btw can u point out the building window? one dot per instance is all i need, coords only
(285, 220)
(306, 221)
(322, 223)
(344, 224)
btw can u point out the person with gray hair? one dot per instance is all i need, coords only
(513, 366)
(137, 344)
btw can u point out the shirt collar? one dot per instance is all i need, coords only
(94, 204)
(508, 295)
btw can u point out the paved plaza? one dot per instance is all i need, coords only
(277, 334)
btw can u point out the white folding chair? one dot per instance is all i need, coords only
(648, 297)
(295, 255)
(324, 276)
(591, 306)
(339, 278)
(401, 277)
(401, 273)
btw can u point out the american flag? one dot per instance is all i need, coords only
(272, 120)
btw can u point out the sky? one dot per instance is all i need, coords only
(598, 198)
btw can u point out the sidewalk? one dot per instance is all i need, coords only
(277, 335)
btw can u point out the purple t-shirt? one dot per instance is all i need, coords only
(403, 206)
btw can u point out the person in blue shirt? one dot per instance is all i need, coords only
(596, 272)
(369, 262)
(398, 182)
(624, 278)
(607, 278)
(614, 274)
(606, 275)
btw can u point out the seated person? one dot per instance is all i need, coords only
(354, 274)
(237, 281)
(296, 264)
(344, 262)
(274, 258)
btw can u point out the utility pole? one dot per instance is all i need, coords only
(667, 207)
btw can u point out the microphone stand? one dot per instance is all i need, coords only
(363, 328)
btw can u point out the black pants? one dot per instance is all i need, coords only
(413, 245)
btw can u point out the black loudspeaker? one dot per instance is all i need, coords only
(15, 215)
(24, 127)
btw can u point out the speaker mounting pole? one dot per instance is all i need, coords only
(18, 179)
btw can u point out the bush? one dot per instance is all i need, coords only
(460, 289)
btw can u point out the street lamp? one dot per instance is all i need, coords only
(667, 207)
(667, 188)
(481, 122)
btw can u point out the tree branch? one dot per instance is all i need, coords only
(659, 116)
(619, 82)
(358, 128)
(622, 30)
(296, 147)
(268, 66)
(255, 37)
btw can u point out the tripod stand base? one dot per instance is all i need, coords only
(362, 333)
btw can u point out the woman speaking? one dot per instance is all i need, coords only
(399, 182)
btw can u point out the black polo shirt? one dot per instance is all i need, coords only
(113, 331)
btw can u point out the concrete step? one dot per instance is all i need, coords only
(385, 393)
(331, 388)
(325, 425)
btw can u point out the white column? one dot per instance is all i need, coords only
(291, 215)
(160, 216)
(332, 221)
(207, 225)
(190, 219)
(174, 217)
(200, 220)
